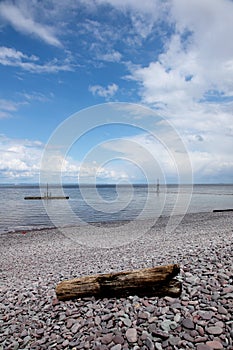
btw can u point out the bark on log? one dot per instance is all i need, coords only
(155, 281)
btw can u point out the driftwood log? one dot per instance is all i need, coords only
(155, 281)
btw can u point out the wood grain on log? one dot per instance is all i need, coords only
(156, 281)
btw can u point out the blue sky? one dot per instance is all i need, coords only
(58, 58)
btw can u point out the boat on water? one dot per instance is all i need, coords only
(47, 196)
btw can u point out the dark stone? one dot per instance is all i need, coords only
(106, 339)
(157, 332)
(222, 310)
(188, 323)
(174, 340)
(149, 343)
(118, 339)
(203, 346)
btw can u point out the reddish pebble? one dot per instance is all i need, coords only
(215, 344)
(202, 346)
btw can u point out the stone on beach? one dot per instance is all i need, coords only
(131, 335)
(31, 317)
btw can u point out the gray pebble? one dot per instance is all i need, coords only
(131, 335)
(118, 339)
(214, 330)
(199, 320)
(116, 347)
(127, 322)
(107, 338)
(203, 346)
(75, 328)
(188, 323)
(149, 343)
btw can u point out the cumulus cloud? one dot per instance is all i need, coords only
(19, 158)
(93, 172)
(101, 91)
(157, 161)
(197, 58)
(190, 82)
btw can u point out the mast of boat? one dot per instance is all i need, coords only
(47, 195)
(157, 189)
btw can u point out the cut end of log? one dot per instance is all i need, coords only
(155, 281)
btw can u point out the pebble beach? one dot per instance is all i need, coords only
(32, 264)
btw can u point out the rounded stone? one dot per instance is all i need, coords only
(207, 315)
(131, 335)
(40, 331)
(157, 332)
(116, 347)
(70, 322)
(214, 330)
(188, 323)
(75, 328)
(127, 322)
(65, 343)
(106, 339)
(118, 339)
(222, 310)
(174, 340)
(149, 343)
(203, 346)
(215, 344)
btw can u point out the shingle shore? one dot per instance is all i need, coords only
(32, 264)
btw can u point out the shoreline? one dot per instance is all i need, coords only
(31, 229)
(32, 264)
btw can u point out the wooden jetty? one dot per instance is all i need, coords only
(221, 210)
(47, 196)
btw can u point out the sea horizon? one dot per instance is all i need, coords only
(105, 203)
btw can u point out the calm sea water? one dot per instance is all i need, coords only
(105, 203)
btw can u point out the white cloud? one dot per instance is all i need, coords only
(101, 91)
(93, 172)
(191, 81)
(20, 16)
(156, 160)
(36, 96)
(19, 158)
(7, 107)
(14, 58)
(142, 13)
(112, 56)
(197, 58)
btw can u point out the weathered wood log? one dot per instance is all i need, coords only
(155, 281)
